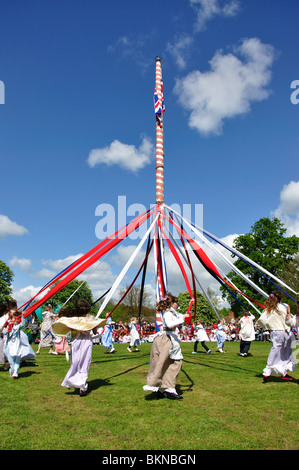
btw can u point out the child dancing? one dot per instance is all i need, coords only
(81, 324)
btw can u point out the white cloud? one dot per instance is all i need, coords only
(132, 47)
(99, 276)
(126, 156)
(229, 88)
(44, 274)
(8, 227)
(23, 263)
(206, 10)
(26, 293)
(288, 209)
(179, 49)
(58, 265)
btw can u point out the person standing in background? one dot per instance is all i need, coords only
(246, 333)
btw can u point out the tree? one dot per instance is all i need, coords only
(204, 311)
(130, 304)
(83, 292)
(267, 245)
(6, 277)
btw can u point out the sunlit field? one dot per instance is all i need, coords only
(225, 404)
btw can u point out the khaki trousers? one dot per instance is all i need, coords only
(163, 371)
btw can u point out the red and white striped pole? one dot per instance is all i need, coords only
(159, 185)
(159, 138)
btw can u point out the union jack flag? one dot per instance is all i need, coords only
(159, 106)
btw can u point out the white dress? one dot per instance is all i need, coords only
(135, 338)
(200, 334)
(280, 359)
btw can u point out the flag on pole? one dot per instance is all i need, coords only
(159, 103)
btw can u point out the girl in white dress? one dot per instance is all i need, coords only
(221, 335)
(135, 338)
(12, 342)
(278, 321)
(200, 337)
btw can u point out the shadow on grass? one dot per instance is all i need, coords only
(216, 364)
(126, 371)
(28, 373)
(277, 379)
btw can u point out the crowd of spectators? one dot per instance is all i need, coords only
(147, 331)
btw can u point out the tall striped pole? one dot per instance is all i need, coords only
(159, 137)
(159, 242)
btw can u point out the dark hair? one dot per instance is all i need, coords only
(3, 308)
(80, 309)
(12, 304)
(166, 303)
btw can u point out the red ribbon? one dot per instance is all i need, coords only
(89, 262)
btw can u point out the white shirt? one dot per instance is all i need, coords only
(247, 332)
(171, 320)
(275, 320)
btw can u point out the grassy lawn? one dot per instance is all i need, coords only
(226, 405)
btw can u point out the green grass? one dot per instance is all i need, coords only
(225, 404)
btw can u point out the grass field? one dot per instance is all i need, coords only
(225, 404)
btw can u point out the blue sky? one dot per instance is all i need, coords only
(78, 79)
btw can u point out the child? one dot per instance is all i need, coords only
(221, 335)
(247, 332)
(12, 341)
(277, 319)
(200, 337)
(26, 350)
(135, 338)
(166, 355)
(107, 336)
(4, 315)
(46, 332)
(81, 323)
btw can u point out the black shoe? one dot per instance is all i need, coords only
(83, 393)
(172, 396)
(160, 395)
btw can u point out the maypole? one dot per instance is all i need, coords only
(159, 244)
(159, 109)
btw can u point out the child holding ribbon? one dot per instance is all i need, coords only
(12, 341)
